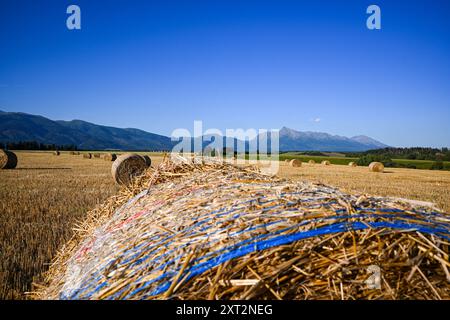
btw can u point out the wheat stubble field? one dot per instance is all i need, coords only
(41, 201)
(425, 185)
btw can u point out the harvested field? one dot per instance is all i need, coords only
(424, 185)
(215, 231)
(40, 202)
(43, 198)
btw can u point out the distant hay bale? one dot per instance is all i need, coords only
(110, 157)
(147, 160)
(326, 163)
(311, 161)
(376, 167)
(56, 153)
(96, 155)
(87, 155)
(286, 160)
(8, 159)
(352, 164)
(126, 167)
(72, 153)
(295, 163)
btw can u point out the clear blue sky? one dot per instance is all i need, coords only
(160, 65)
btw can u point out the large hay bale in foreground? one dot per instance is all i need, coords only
(326, 163)
(8, 159)
(87, 155)
(352, 164)
(110, 157)
(216, 231)
(148, 161)
(376, 167)
(295, 163)
(126, 167)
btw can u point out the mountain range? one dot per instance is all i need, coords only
(18, 126)
(292, 140)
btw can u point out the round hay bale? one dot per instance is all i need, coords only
(191, 236)
(56, 153)
(286, 160)
(147, 160)
(8, 159)
(376, 167)
(96, 155)
(72, 153)
(326, 163)
(352, 164)
(311, 161)
(87, 155)
(110, 157)
(126, 167)
(295, 163)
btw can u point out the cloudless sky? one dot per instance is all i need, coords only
(160, 65)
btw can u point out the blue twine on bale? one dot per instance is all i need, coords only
(286, 239)
(257, 243)
(266, 241)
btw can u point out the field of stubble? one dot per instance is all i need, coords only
(41, 201)
(425, 185)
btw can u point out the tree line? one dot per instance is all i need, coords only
(35, 145)
(416, 153)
